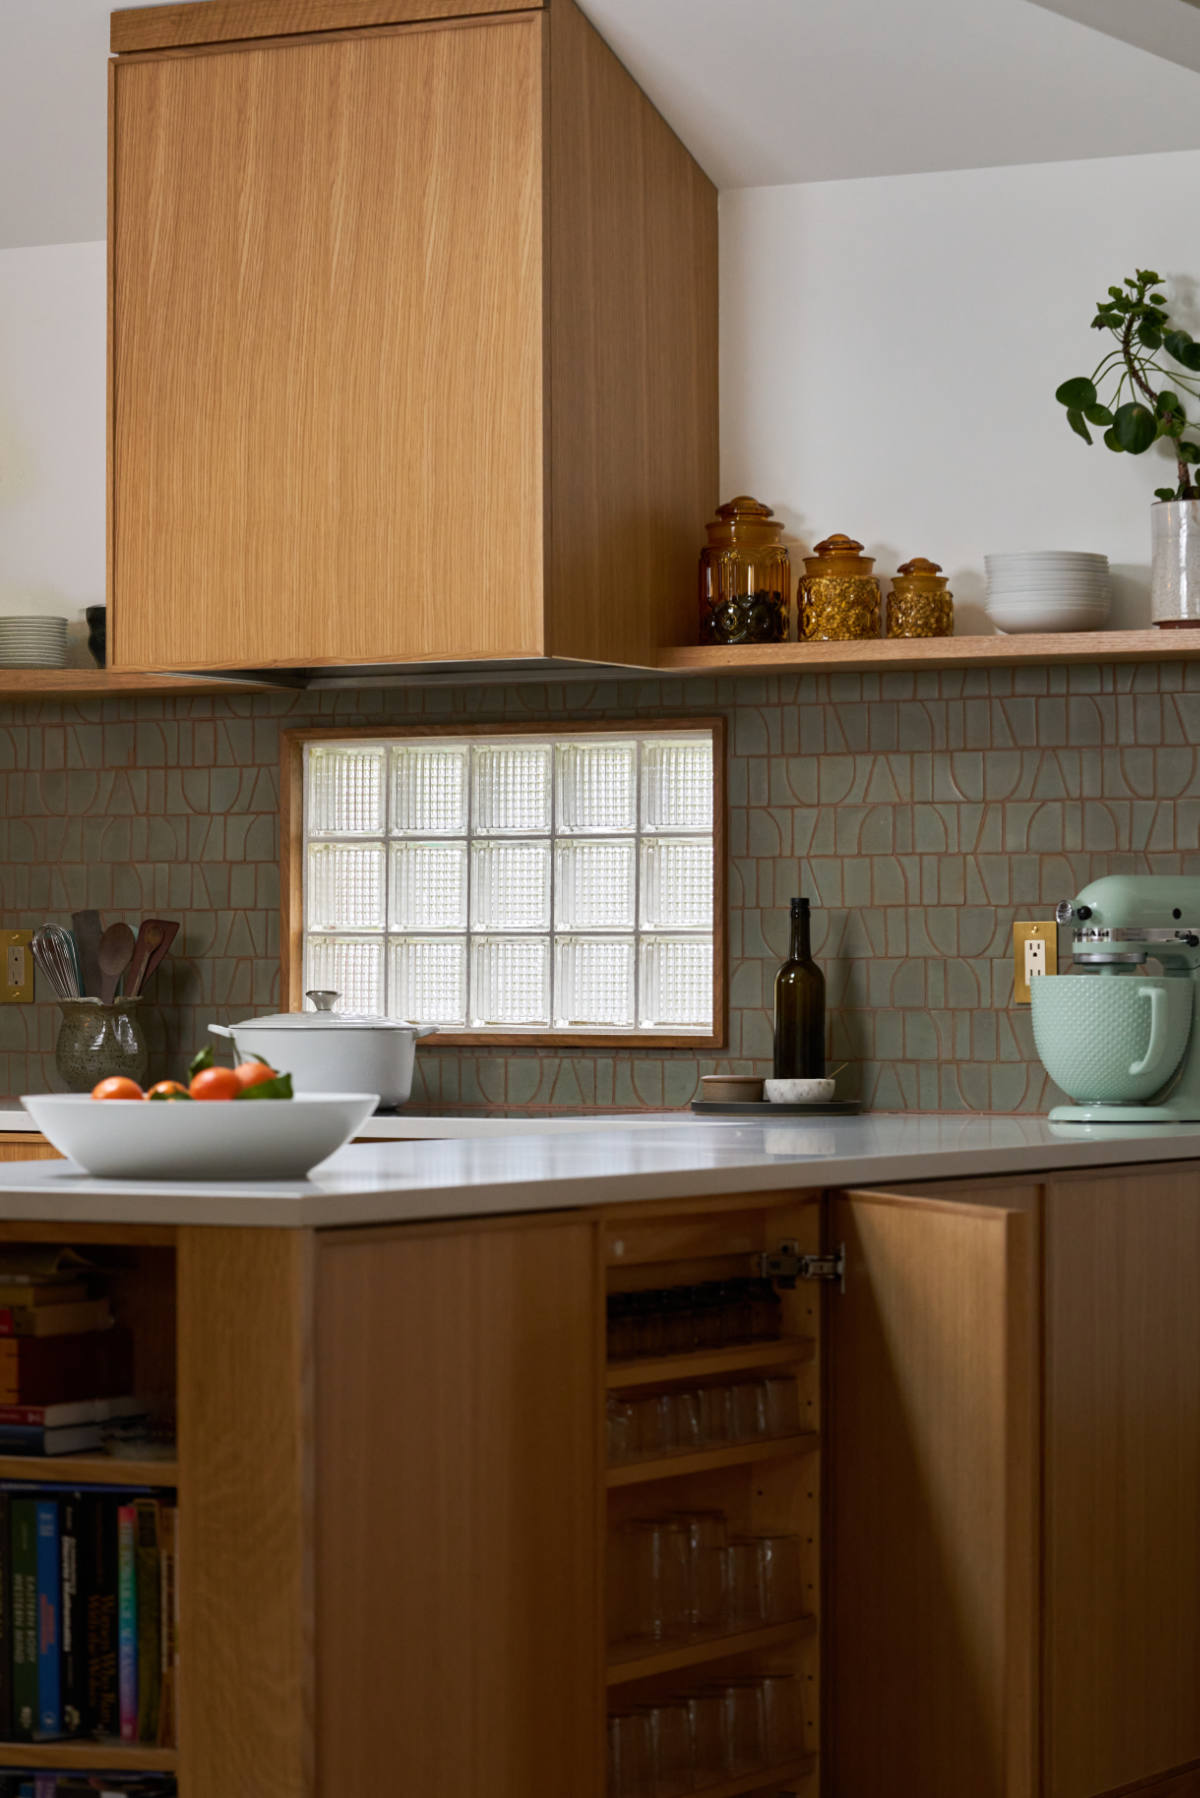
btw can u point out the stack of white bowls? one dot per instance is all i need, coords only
(1048, 590)
(33, 642)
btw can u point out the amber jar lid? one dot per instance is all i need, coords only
(839, 555)
(921, 569)
(743, 520)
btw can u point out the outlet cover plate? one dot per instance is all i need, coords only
(1045, 934)
(16, 967)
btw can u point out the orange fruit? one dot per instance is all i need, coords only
(215, 1083)
(166, 1089)
(253, 1073)
(118, 1086)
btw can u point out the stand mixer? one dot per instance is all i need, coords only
(1125, 1044)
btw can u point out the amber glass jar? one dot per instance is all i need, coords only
(839, 597)
(745, 576)
(920, 604)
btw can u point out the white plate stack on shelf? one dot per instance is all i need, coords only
(33, 642)
(1048, 590)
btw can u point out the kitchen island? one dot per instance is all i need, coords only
(401, 1527)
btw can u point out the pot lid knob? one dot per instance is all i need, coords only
(323, 1001)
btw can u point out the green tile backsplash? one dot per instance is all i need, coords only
(922, 813)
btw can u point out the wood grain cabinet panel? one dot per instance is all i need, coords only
(413, 350)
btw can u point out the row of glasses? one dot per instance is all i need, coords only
(724, 1729)
(685, 1574)
(678, 1320)
(641, 1426)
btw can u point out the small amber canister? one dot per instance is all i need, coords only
(839, 596)
(920, 604)
(745, 576)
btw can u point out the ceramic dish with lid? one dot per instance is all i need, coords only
(332, 1051)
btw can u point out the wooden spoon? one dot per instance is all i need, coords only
(114, 954)
(159, 934)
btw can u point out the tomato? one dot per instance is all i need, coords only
(118, 1086)
(167, 1089)
(215, 1083)
(253, 1073)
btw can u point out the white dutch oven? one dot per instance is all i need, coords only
(327, 1051)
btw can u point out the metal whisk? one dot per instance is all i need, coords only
(55, 954)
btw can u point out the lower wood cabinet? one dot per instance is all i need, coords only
(927, 1524)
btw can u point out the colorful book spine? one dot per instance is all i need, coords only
(127, 1622)
(24, 1601)
(149, 1582)
(6, 1621)
(168, 1625)
(70, 1620)
(49, 1601)
(98, 1578)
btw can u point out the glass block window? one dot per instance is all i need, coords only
(550, 885)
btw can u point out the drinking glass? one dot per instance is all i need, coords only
(654, 1565)
(716, 1414)
(620, 1421)
(781, 1717)
(654, 1424)
(781, 1405)
(670, 1748)
(743, 1584)
(749, 1420)
(686, 1420)
(706, 1539)
(706, 1716)
(779, 1576)
(743, 1734)
(629, 1755)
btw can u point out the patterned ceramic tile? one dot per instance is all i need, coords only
(922, 813)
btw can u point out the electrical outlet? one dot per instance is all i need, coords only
(1035, 953)
(16, 967)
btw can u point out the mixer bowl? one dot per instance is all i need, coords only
(1110, 1040)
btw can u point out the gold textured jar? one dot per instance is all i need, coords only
(745, 576)
(839, 596)
(920, 604)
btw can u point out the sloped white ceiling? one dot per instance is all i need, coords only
(763, 91)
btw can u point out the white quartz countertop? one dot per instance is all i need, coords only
(403, 1126)
(608, 1163)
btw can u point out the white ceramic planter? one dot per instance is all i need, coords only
(1175, 562)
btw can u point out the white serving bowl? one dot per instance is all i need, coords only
(1046, 614)
(799, 1092)
(233, 1139)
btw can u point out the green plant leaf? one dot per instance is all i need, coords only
(1191, 357)
(1166, 402)
(1190, 451)
(1159, 299)
(199, 1062)
(1098, 415)
(1135, 427)
(279, 1088)
(1150, 335)
(1110, 438)
(1077, 392)
(1164, 493)
(171, 1099)
(1177, 344)
(1075, 420)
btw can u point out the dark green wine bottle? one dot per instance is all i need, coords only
(799, 1006)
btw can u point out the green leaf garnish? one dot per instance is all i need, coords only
(279, 1088)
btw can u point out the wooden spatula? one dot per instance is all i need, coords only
(116, 947)
(156, 936)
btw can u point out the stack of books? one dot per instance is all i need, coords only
(14, 1784)
(88, 1615)
(66, 1366)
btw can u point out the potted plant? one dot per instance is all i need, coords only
(1145, 402)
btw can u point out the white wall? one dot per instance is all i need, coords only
(52, 379)
(890, 350)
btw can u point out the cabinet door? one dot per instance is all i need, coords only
(932, 1448)
(326, 341)
(1122, 1650)
(458, 1512)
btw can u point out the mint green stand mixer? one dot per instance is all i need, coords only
(1123, 1042)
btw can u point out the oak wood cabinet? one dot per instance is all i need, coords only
(412, 340)
(399, 1523)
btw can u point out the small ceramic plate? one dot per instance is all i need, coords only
(764, 1108)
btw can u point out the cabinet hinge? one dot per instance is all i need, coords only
(785, 1265)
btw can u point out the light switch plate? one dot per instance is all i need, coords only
(1035, 952)
(16, 967)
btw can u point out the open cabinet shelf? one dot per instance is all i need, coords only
(88, 1470)
(707, 1460)
(762, 1779)
(627, 1663)
(708, 1363)
(89, 1757)
(891, 654)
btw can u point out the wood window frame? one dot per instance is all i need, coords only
(291, 936)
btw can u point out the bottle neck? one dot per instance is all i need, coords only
(801, 949)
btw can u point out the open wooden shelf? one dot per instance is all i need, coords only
(892, 654)
(91, 1757)
(738, 1454)
(88, 1470)
(657, 1371)
(107, 683)
(635, 1661)
(763, 1779)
